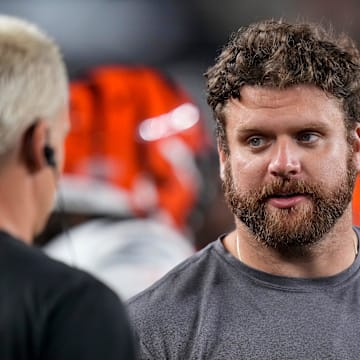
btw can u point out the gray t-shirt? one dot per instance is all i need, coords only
(214, 307)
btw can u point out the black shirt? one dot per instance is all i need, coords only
(51, 311)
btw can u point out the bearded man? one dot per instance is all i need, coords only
(285, 283)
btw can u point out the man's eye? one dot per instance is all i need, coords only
(308, 137)
(256, 141)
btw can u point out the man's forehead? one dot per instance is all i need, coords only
(307, 105)
(255, 97)
(273, 96)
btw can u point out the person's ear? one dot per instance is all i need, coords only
(356, 147)
(33, 144)
(222, 160)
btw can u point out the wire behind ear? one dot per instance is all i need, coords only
(50, 156)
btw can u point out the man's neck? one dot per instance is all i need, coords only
(16, 212)
(331, 255)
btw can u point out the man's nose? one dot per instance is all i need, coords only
(285, 159)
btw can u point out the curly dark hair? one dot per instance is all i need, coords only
(279, 54)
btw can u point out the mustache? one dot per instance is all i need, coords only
(287, 187)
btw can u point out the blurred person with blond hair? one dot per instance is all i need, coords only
(48, 310)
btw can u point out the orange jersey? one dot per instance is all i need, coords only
(138, 130)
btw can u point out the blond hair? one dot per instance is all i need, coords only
(33, 79)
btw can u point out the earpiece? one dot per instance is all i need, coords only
(50, 156)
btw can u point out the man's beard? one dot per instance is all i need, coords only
(290, 228)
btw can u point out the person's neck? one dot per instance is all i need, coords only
(333, 254)
(15, 206)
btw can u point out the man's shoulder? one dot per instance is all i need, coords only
(163, 314)
(29, 268)
(176, 280)
(29, 262)
(63, 300)
(180, 288)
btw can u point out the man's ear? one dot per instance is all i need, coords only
(33, 143)
(222, 160)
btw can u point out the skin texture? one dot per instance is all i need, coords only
(291, 135)
(28, 183)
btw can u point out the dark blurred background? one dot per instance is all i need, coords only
(176, 36)
(181, 37)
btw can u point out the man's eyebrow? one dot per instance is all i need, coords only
(314, 124)
(249, 128)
